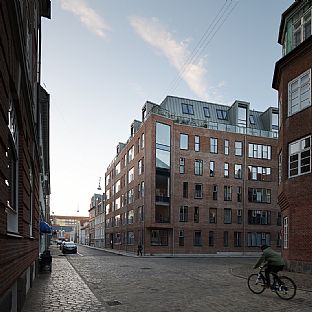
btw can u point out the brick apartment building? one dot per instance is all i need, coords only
(292, 80)
(24, 149)
(195, 177)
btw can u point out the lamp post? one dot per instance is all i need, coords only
(103, 210)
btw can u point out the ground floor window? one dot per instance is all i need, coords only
(256, 239)
(285, 232)
(197, 238)
(159, 237)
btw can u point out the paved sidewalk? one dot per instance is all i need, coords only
(61, 290)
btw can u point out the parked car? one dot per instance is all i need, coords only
(62, 243)
(69, 247)
(58, 242)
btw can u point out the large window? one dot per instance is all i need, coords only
(256, 239)
(197, 238)
(259, 151)
(259, 217)
(226, 147)
(237, 239)
(130, 154)
(259, 195)
(242, 116)
(159, 237)
(238, 148)
(182, 165)
(299, 157)
(131, 175)
(140, 166)
(187, 109)
(162, 146)
(258, 173)
(227, 193)
(301, 28)
(212, 168)
(213, 215)
(237, 171)
(183, 141)
(299, 93)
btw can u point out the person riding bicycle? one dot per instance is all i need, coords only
(273, 262)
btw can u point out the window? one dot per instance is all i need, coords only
(259, 173)
(196, 214)
(226, 147)
(213, 215)
(215, 192)
(299, 157)
(141, 190)
(238, 148)
(185, 189)
(301, 28)
(130, 218)
(226, 239)
(274, 121)
(131, 175)
(183, 214)
(238, 171)
(197, 238)
(130, 238)
(239, 194)
(159, 237)
(227, 215)
(130, 154)
(211, 240)
(198, 167)
(198, 191)
(285, 232)
(183, 141)
(117, 169)
(206, 112)
(197, 143)
(242, 116)
(142, 141)
(259, 195)
(130, 196)
(181, 238)
(187, 109)
(299, 93)
(140, 166)
(256, 239)
(227, 193)
(226, 170)
(221, 114)
(213, 145)
(259, 217)
(237, 239)
(212, 170)
(259, 151)
(239, 216)
(252, 120)
(280, 157)
(182, 165)
(117, 203)
(140, 214)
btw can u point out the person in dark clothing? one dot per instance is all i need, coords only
(140, 248)
(272, 261)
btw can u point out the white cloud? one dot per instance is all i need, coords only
(87, 16)
(177, 53)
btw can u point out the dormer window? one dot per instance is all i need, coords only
(252, 120)
(302, 29)
(242, 116)
(222, 114)
(206, 112)
(187, 109)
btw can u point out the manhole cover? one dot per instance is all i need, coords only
(113, 303)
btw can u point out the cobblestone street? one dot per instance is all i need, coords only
(107, 282)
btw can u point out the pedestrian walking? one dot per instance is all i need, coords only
(140, 248)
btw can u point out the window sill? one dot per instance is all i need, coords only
(15, 235)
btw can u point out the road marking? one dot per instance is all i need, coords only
(79, 254)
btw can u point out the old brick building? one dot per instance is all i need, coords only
(195, 177)
(292, 80)
(24, 148)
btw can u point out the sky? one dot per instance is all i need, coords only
(103, 59)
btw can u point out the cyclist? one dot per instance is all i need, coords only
(272, 260)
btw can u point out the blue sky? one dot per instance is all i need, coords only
(102, 59)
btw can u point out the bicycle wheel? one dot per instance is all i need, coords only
(286, 289)
(256, 283)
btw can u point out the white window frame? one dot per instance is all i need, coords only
(297, 80)
(285, 233)
(299, 153)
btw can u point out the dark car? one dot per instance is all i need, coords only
(69, 247)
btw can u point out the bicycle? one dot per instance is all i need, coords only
(283, 286)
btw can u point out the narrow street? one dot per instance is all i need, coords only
(108, 282)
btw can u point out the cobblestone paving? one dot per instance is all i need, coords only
(100, 281)
(62, 290)
(178, 284)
